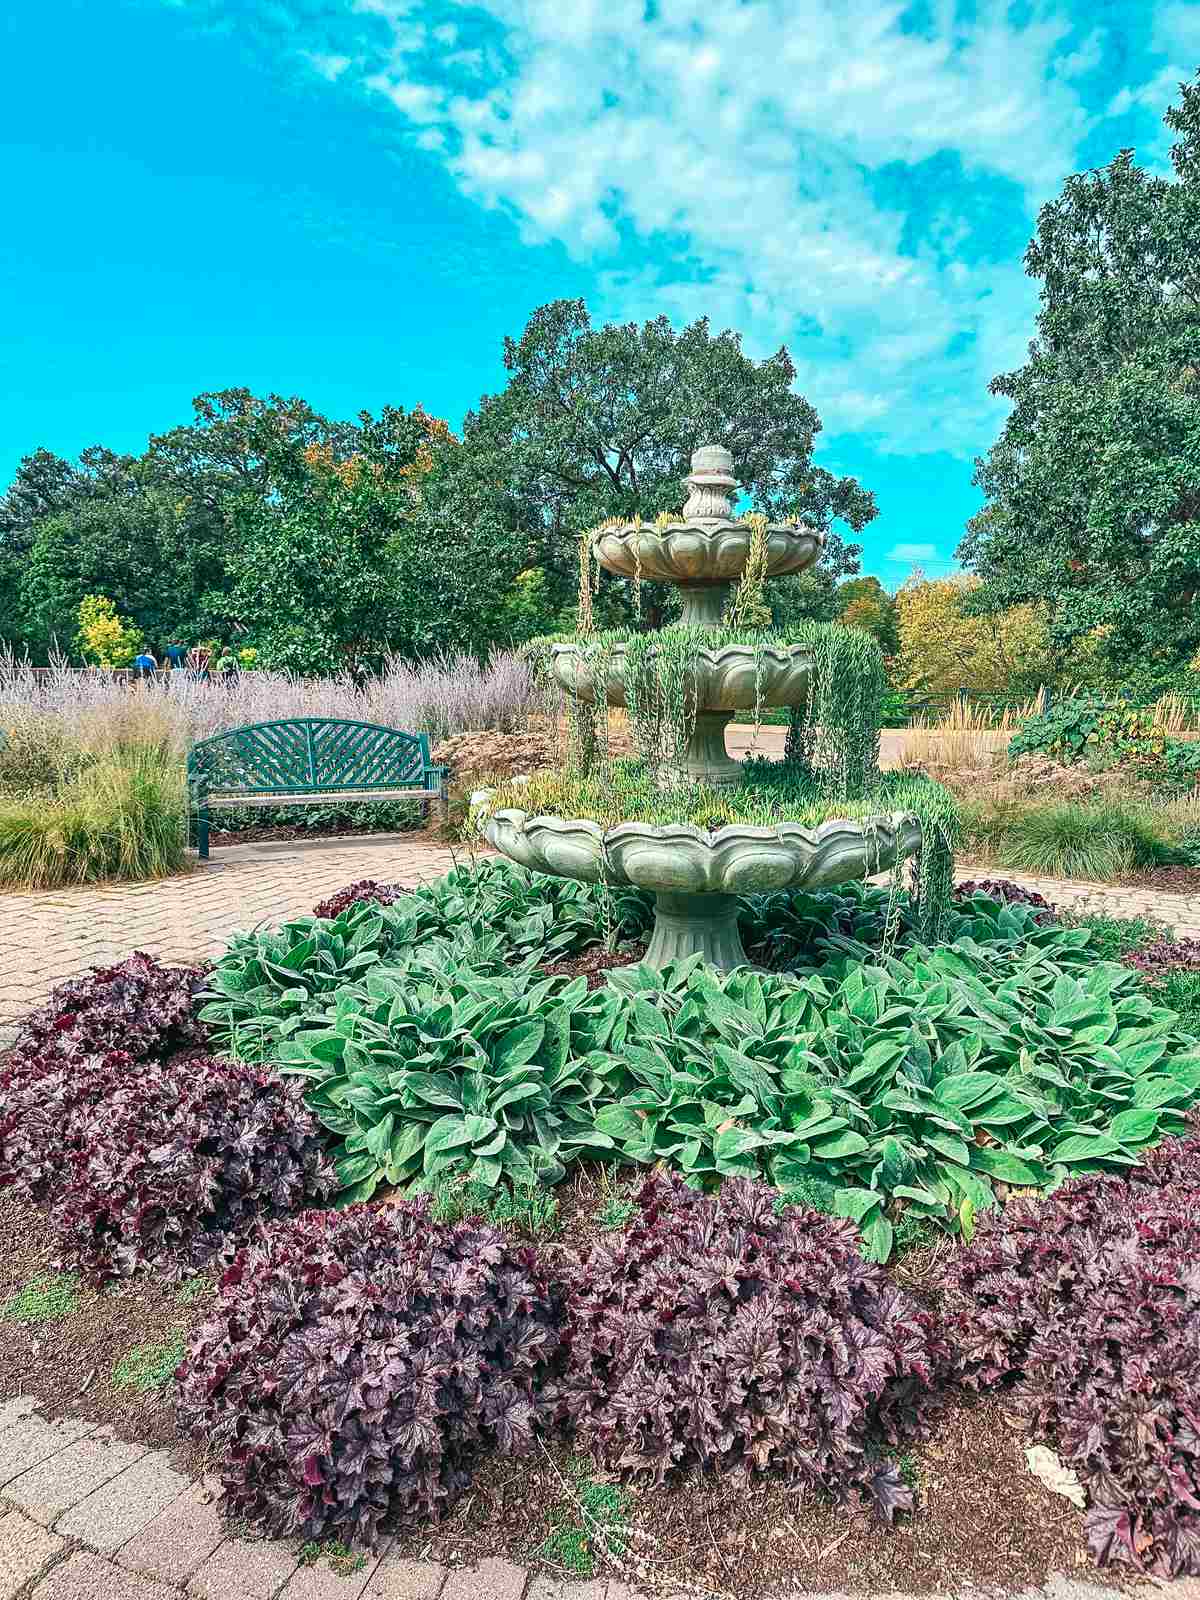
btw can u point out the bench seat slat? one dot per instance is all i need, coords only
(295, 797)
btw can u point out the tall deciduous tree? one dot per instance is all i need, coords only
(600, 422)
(1093, 488)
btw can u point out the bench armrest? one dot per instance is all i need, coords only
(435, 779)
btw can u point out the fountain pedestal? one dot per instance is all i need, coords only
(696, 924)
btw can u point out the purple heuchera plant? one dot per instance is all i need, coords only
(1166, 955)
(1088, 1305)
(162, 1164)
(364, 889)
(137, 1006)
(722, 1332)
(1004, 889)
(358, 1363)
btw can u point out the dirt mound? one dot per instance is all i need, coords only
(495, 755)
(511, 755)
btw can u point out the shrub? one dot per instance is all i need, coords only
(151, 1163)
(1088, 1305)
(1165, 955)
(1008, 893)
(500, 914)
(1114, 938)
(360, 1361)
(901, 1083)
(718, 1332)
(913, 1087)
(1109, 732)
(383, 894)
(1181, 991)
(797, 930)
(347, 816)
(1070, 728)
(137, 1006)
(459, 1072)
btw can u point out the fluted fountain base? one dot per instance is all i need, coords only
(706, 760)
(696, 924)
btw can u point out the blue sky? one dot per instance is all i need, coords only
(356, 200)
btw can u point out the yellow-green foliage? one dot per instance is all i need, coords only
(771, 794)
(104, 637)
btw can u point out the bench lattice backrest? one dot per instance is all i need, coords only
(308, 755)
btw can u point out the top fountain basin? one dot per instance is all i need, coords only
(697, 553)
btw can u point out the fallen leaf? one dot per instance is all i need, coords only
(1059, 1479)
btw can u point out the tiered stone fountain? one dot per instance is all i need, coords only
(696, 875)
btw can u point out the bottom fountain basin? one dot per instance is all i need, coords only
(697, 876)
(684, 859)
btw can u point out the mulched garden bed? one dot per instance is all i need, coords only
(1172, 880)
(593, 964)
(69, 1362)
(982, 1519)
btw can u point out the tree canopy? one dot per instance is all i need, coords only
(330, 542)
(1093, 487)
(602, 422)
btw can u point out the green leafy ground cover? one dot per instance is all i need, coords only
(903, 1086)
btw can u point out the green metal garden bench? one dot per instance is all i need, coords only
(309, 761)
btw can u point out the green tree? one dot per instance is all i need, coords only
(343, 559)
(600, 422)
(1093, 487)
(139, 547)
(865, 603)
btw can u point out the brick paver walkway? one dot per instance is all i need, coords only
(53, 935)
(83, 1517)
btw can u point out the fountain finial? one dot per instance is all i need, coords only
(709, 481)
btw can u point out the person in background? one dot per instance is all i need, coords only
(176, 655)
(144, 663)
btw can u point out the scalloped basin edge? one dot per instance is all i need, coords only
(682, 858)
(731, 677)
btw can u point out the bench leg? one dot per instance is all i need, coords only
(202, 830)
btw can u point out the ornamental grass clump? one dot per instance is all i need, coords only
(721, 1332)
(121, 817)
(155, 1164)
(137, 1006)
(1086, 1306)
(360, 1362)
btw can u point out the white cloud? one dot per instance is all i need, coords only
(723, 159)
(330, 67)
(909, 553)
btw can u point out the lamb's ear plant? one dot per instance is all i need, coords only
(455, 1073)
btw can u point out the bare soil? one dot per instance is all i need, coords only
(594, 963)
